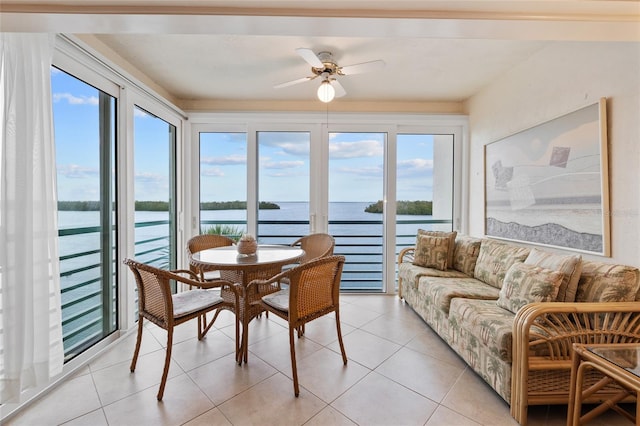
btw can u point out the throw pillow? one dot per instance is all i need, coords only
(526, 284)
(604, 282)
(452, 242)
(569, 265)
(465, 254)
(431, 252)
(495, 259)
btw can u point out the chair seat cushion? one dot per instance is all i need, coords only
(278, 300)
(188, 302)
(211, 275)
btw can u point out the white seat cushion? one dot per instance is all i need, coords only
(190, 301)
(279, 300)
(211, 275)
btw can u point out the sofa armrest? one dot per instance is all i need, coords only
(405, 255)
(544, 333)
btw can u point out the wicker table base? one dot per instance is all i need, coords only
(619, 364)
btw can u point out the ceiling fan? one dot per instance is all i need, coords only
(323, 65)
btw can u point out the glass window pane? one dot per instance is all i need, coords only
(283, 186)
(84, 126)
(154, 156)
(223, 183)
(356, 176)
(424, 186)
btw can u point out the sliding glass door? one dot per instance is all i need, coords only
(370, 189)
(424, 185)
(155, 189)
(84, 126)
(283, 186)
(356, 191)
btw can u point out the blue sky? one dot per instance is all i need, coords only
(355, 159)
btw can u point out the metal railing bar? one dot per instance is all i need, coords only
(79, 285)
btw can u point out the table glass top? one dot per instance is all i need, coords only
(625, 356)
(266, 254)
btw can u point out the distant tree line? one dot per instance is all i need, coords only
(422, 208)
(163, 206)
(236, 205)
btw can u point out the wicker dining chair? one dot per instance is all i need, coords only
(314, 291)
(203, 242)
(315, 246)
(166, 310)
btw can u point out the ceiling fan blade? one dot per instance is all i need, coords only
(340, 92)
(362, 68)
(292, 82)
(310, 57)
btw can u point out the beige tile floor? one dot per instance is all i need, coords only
(399, 373)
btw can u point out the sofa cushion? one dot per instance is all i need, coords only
(431, 252)
(490, 325)
(440, 291)
(569, 265)
(527, 284)
(465, 254)
(605, 282)
(410, 273)
(495, 259)
(452, 242)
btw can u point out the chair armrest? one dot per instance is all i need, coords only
(191, 275)
(190, 281)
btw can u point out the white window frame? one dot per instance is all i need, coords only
(319, 128)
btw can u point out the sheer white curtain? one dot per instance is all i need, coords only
(31, 350)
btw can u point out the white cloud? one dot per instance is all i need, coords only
(370, 171)
(75, 100)
(360, 149)
(140, 113)
(212, 172)
(149, 177)
(76, 171)
(415, 167)
(224, 161)
(282, 164)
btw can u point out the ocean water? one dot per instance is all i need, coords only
(358, 234)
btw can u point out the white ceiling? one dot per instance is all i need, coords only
(247, 67)
(237, 51)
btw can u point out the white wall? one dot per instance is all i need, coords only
(558, 79)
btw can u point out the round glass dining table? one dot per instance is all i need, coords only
(267, 262)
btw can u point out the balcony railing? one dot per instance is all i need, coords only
(361, 242)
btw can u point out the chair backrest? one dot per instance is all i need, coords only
(315, 246)
(203, 242)
(154, 292)
(207, 241)
(314, 288)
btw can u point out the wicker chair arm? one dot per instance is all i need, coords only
(406, 255)
(194, 280)
(274, 279)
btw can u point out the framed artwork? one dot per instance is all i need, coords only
(548, 185)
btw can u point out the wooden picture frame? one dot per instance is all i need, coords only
(549, 184)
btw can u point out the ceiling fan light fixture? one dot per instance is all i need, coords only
(326, 92)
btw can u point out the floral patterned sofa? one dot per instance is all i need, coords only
(512, 313)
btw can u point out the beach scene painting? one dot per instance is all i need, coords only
(548, 185)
